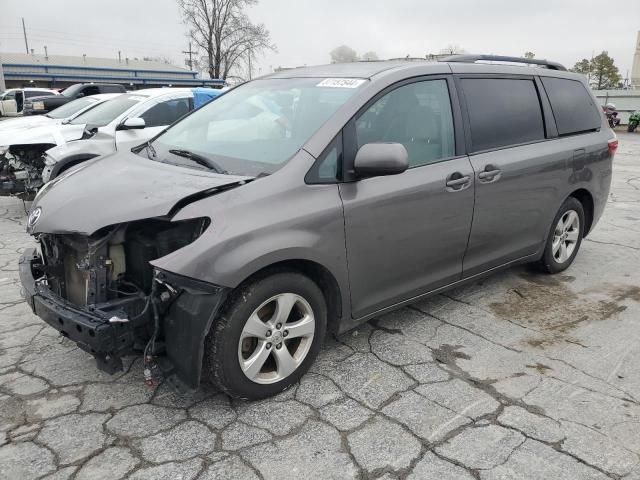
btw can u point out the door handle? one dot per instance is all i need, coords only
(489, 173)
(457, 181)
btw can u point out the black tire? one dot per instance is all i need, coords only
(222, 362)
(549, 262)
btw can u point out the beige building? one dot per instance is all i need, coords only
(635, 70)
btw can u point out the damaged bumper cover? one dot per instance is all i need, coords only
(105, 331)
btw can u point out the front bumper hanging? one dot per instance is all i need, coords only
(92, 329)
(104, 331)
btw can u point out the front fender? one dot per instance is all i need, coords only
(60, 158)
(230, 263)
(265, 222)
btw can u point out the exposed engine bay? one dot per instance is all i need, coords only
(21, 169)
(123, 304)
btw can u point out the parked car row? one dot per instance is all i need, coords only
(307, 201)
(39, 105)
(12, 101)
(34, 150)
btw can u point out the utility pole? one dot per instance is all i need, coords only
(119, 56)
(3, 86)
(190, 53)
(24, 30)
(46, 54)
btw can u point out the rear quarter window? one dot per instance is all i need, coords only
(573, 108)
(502, 112)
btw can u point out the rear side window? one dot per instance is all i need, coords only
(93, 90)
(573, 108)
(502, 112)
(32, 93)
(165, 113)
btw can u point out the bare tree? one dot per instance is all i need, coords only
(343, 54)
(369, 56)
(452, 49)
(224, 33)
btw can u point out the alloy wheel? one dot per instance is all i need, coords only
(566, 236)
(276, 338)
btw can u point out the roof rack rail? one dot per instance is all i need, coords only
(501, 58)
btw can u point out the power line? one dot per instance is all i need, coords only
(3, 85)
(47, 33)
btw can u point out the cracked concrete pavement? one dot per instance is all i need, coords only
(520, 375)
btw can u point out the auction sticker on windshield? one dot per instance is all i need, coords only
(341, 82)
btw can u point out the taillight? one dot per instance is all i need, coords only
(613, 145)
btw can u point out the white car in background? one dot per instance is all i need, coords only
(12, 100)
(61, 114)
(123, 123)
(128, 120)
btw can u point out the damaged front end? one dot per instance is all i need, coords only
(21, 169)
(100, 291)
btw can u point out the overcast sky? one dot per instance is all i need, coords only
(306, 30)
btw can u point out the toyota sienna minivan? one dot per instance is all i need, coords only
(312, 200)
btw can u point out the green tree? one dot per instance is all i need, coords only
(604, 73)
(343, 54)
(583, 66)
(600, 70)
(529, 55)
(370, 56)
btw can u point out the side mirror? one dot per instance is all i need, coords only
(80, 95)
(132, 124)
(380, 159)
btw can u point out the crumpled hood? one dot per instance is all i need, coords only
(57, 134)
(30, 121)
(118, 188)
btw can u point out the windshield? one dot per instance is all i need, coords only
(108, 111)
(257, 127)
(71, 108)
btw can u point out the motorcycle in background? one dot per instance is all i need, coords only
(612, 115)
(634, 121)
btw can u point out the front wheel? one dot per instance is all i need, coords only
(268, 334)
(565, 237)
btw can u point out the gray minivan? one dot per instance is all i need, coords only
(312, 200)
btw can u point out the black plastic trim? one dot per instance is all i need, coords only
(473, 58)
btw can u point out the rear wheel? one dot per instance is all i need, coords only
(565, 237)
(267, 336)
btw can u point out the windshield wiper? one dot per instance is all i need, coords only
(199, 159)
